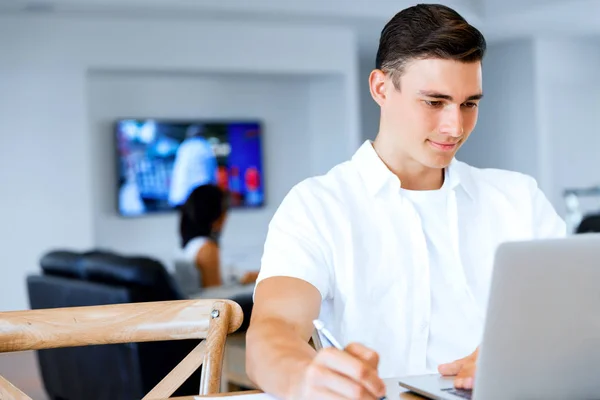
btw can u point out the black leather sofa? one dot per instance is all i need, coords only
(589, 224)
(123, 371)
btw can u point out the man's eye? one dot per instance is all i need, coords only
(470, 105)
(433, 103)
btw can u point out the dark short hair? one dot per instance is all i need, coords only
(427, 31)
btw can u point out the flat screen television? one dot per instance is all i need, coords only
(160, 162)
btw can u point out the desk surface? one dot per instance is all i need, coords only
(394, 391)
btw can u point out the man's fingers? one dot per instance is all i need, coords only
(464, 370)
(339, 385)
(364, 353)
(354, 368)
(452, 368)
(467, 371)
(465, 377)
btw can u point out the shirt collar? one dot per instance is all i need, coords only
(376, 175)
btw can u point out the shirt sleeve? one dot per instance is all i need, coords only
(294, 246)
(547, 224)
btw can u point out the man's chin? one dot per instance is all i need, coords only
(439, 161)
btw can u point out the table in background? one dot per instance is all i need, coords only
(223, 292)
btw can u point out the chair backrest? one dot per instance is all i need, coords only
(101, 277)
(205, 319)
(130, 370)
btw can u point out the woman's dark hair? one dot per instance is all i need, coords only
(203, 207)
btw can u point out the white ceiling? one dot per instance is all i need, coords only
(491, 7)
(498, 19)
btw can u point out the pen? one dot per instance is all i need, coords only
(320, 327)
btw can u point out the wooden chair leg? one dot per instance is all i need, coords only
(8, 391)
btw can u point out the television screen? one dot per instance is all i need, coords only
(161, 162)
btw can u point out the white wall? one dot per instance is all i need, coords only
(506, 132)
(328, 140)
(569, 97)
(286, 142)
(369, 110)
(539, 115)
(55, 190)
(44, 175)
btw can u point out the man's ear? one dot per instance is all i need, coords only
(378, 82)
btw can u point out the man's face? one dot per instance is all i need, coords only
(434, 111)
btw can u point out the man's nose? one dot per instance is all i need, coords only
(452, 122)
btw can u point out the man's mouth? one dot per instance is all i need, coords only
(444, 146)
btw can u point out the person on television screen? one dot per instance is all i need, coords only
(202, 218)
(195, 164)
(130, 199)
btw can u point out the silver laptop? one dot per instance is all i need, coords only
(542, 332)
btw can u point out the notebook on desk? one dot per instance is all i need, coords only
(241, 396)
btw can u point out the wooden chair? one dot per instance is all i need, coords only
(211, 320)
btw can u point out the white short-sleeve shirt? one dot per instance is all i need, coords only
(405, 273)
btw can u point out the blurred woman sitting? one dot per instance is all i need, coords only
(202, 218)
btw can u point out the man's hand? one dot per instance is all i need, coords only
(463, 369)
(280, 361)
(337, 375)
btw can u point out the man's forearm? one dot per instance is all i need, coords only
(277, 356)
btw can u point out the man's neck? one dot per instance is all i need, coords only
(412, 174)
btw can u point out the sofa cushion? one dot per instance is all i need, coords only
(63, 263)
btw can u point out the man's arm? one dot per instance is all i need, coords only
(281, 325)
(208, 263)
(280, 360)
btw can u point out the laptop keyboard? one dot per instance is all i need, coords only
(465, 394)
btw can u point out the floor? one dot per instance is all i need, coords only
(21, 370)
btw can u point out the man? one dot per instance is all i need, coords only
(394, 248)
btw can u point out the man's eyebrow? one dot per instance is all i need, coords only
(477, 96)
(435, 95)
(441, 96)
